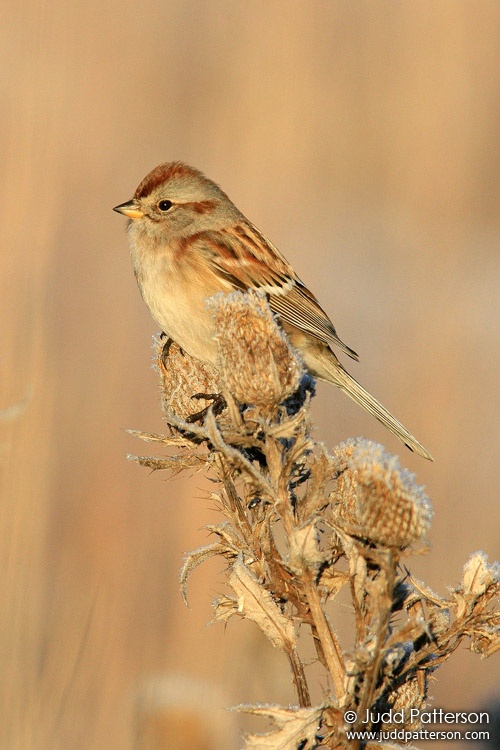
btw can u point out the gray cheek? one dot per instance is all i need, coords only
(179, 220)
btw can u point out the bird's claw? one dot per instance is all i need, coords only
(218, 405)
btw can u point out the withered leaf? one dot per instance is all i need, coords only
(197, 557)
(175, 464)
(479, 574)
(224, 608)
(296, 727)
(155, 437)
(225, 532)
(486, 641)
(256, 603)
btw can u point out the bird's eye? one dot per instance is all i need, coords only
(165, 205)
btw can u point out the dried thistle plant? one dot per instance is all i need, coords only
(300, 524)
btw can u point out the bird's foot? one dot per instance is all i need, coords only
(166, 348)
(218, 405)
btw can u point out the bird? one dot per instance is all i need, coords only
(188, 241)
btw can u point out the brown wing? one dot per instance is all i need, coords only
(300, 308)
(245, 258)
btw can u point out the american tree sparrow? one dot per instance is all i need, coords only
(188, 241)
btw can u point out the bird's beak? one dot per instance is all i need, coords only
(130, 209)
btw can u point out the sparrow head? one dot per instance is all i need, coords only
(172, 198)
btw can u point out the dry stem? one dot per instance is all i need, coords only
(356, 509)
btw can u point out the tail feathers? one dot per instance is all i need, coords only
(358, 394)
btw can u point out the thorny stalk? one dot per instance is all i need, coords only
(300, 524)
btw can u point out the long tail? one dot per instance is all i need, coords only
(358, 394)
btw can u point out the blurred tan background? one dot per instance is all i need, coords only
(362, 137)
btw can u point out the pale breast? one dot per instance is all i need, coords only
(176, 294)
